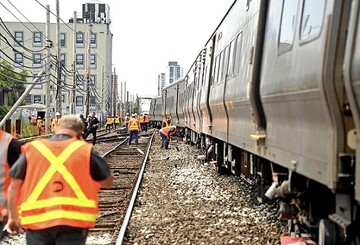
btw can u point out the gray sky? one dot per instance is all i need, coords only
(147, 34)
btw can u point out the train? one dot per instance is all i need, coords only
(274, 97)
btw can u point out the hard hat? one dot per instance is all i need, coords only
(39, 117)
(32, 114)
(57, 114)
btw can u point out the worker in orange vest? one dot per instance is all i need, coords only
(55, 182)
(166, 133)
(146, 122)
(134, 129)
(55, 121)
(9, 152)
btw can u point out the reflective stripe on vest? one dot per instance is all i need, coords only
(5, 139)
(133, 125)
(82, 210)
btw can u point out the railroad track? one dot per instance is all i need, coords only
(115, 205)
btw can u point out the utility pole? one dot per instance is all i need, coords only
(48, 46)
(73, 87)
(121, 100)
(87, 101)
(58, 82)
(115, 91)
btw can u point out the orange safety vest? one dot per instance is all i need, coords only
(147, 119)
(58, 188)
(55, 122)
(133, 124)
(141, 119)
(5, 139)
(166, 130)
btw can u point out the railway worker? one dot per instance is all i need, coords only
(55, 121)
(134, 129)
(166, 121)
(9, 153)
(84, 123)
(109, 124)
(40, 124)
(127, 120)
(166, 133)
(33, 119)
(142, 121)
(146, 121)
(116, 121)
(92, 127)
(55, 183)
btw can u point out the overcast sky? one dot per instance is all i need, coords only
(147, 33)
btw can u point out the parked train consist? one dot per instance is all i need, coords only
(274, 97)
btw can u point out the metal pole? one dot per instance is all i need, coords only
(58, 82)
(22, 97)
(73, 87)
(47, 114)
(87, 102)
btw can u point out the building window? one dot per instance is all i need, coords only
(93, 39)
(62, 39)
(36, 59)
(92, 101)
(79, 39)
(37, 99)
(79, 100)
(92, 81)
(63, 59)
(63, 98)
(312, 19)
(80, 60)
(19, 59)
(63, 80)
(19, 37)
(288, 25)
(80, 81)
(37, 39)
(92, 61)
(38, 84)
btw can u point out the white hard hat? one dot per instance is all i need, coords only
(57, 114)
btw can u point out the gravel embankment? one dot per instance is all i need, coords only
(183, 201)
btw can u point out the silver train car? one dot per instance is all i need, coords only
(274, 97)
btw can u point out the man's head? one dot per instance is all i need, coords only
(93, 114)
(69, 124)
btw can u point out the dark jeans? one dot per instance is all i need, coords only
(145, 126)
(164, 142)
(134, 133)
(93, 132)
(58, 235)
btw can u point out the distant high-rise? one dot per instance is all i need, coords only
(161, 82)
(173, 72)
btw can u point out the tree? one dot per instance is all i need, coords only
(11, 84)
(12, 81)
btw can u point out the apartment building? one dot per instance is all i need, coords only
(85, 49)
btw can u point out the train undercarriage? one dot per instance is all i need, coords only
(312, 210)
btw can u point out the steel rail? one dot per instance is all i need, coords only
(127, 217)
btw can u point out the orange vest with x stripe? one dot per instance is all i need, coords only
(58, 188)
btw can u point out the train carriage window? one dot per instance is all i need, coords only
(287, 25)
(238, 54)
(226, 63)
(215, 71)
(230, 68)
(312, 19)
(221, 66)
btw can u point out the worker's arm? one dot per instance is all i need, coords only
(13, 224)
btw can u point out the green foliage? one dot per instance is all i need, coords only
(4, 110)
(8, 70)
